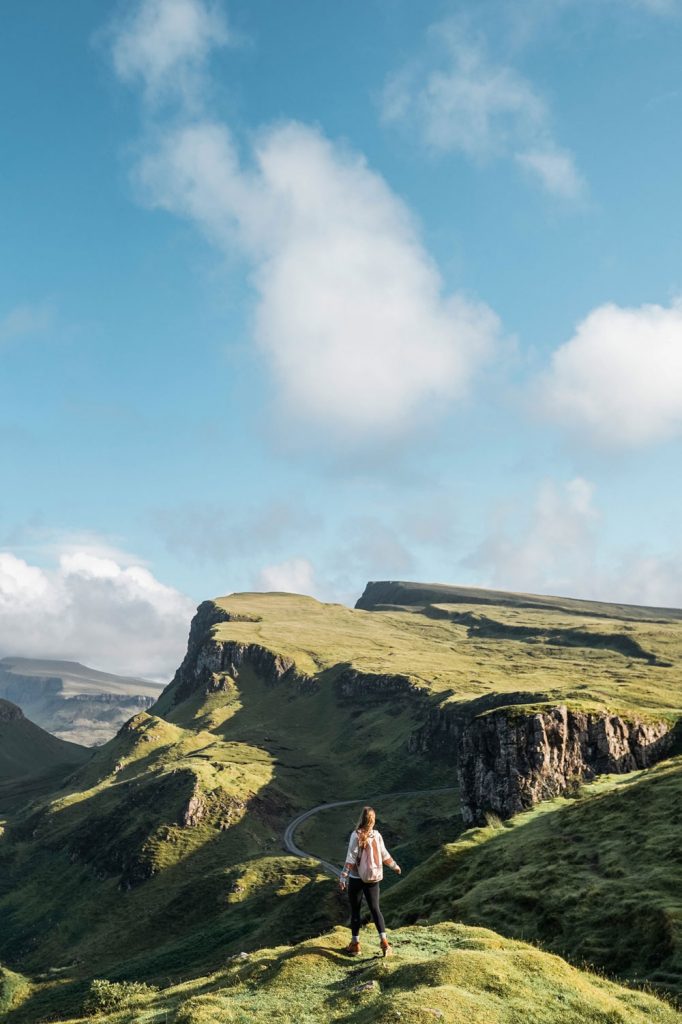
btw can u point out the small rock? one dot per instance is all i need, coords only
(434, 1013)
(240, 956)
(367, 986)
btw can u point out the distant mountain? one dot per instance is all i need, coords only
(387, 595)
(72, 701)
(26, 749)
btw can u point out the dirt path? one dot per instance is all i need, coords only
(332, 869)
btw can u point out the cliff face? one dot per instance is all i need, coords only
(71, 707)
(508, 761)
(506, 758)
(209, 665)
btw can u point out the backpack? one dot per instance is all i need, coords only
(370, 866)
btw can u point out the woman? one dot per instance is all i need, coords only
(362, 873)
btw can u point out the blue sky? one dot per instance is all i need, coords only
(300, 295)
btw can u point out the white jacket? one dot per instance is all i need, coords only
(353, 855)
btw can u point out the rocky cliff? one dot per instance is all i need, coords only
(209, 665)
(508, 759)
(506, 755)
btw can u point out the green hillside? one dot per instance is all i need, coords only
(445, 973)
(397, 594)
(458, 652)
(171, 834)
(25, 749)
(597, 878)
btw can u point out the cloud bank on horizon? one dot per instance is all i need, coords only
(95, 608)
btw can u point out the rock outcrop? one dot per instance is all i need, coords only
(508, 760)
(211, 665)
(9, 712)
(371, 687)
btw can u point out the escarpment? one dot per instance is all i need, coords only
(210, 665)
(422, 704)
(508, 759)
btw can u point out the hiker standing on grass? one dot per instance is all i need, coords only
(362, 873)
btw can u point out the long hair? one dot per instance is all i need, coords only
(365, 825)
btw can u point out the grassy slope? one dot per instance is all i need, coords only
(26, 749)
(598, 878)
(447, 972)
(112, 856)
(446, 658)
(108, 855)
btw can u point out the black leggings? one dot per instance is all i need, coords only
(356, 887)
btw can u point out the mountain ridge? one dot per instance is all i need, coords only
(171, 832)
(72, 701)
(27, 750)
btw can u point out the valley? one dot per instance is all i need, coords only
(549, 725)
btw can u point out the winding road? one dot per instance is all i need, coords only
(330, 868)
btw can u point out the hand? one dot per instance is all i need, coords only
(343, 884)
(398, 869)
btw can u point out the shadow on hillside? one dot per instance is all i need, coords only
(236, 889)
(595, 880)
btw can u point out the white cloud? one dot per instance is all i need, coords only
(92, 609)
(352, 317)
(296, 576)
(555, 169)
(619, 378)
(554, 548)
(351, 314)
(24, 320)
(164, 44)
(551, 551)
(457, 98)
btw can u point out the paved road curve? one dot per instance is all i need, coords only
(332, 869)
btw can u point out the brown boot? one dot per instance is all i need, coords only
(386, 947)
(353, 948)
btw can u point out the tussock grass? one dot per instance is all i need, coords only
(598, 879)
(445, 972)
(14, 989)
